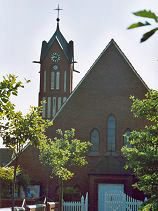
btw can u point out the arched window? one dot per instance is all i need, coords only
(64, 99)
(44, 107)
(111, 134)
(49, 108)
(57, 80)
(94, 137)
(126, 138)
(55, 77)
(65, 79)
(45, 79)
(52, 84)
(54, 106)
(59, 102)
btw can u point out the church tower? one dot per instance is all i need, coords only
(56, 71)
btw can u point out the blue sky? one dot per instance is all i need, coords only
(90, 24)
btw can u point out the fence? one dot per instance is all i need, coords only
(77, 206)
(121, 202)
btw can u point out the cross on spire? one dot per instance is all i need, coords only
(58, 9)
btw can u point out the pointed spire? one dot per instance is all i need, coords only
(57, 25)
(58, 19)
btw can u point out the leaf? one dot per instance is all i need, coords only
(139, 24)
(146, 14)
(27, 80)
(148, 34)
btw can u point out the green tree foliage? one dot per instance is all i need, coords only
(7, 177)
(17, 129)
(148, 15)
(142, 157)
(7, 173)
(63, 152)
(8, 86)
(20, 129)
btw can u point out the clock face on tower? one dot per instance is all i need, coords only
(55, 57)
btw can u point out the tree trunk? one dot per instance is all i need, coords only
(14, 184)
(61, 196)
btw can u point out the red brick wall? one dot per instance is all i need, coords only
(47, 65)
(104, 91)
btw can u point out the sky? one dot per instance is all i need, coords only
(90, 24)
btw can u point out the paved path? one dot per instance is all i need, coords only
(6, 209)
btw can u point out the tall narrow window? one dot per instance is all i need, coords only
(65, 76)
(94, 137)
(126, 138)
(57, 80)
(59, 102)
(64, 99)
(49, 108)
(45, 79)
(111, 134)
(43, 107)
(52, 80)
(54, 106)
(55, 77)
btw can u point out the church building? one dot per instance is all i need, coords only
(98, 108)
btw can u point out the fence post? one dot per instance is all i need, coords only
(82, 203)
(145, 199)
(86, 202)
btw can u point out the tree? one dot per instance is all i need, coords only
(145, 14)
(19, 130)
(8, 86)
(7, 177)
(61, 153)
(142, 157)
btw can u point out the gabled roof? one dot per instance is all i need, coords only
(5, 156)
(13, 157)
(109, 165)
(61, 41)
(112, 42)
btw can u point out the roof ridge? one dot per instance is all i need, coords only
(60, 39)
(130, 64)
(91, 67)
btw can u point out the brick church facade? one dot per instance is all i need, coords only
(98, 108)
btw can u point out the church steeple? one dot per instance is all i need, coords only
(57, 59)
(57, 26)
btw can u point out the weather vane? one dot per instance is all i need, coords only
(58, 9)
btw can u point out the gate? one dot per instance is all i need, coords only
(120, 202)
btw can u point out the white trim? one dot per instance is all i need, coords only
(14, 157)
(59, 43)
